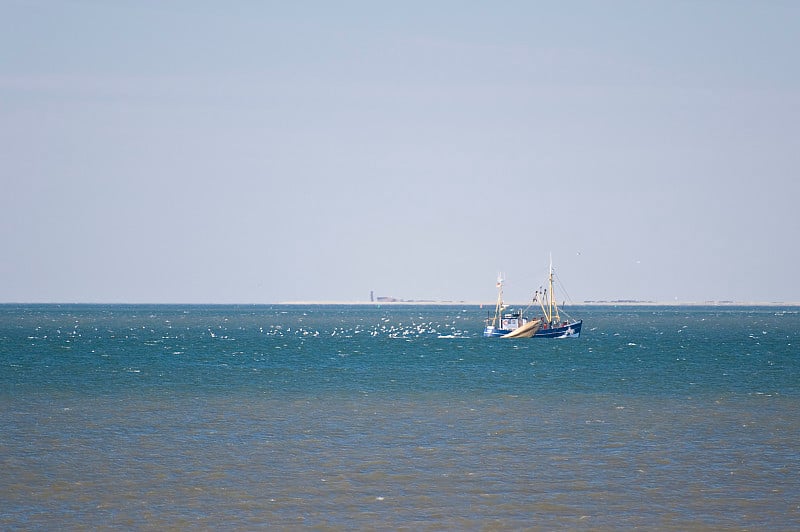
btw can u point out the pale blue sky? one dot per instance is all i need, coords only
(257, 152)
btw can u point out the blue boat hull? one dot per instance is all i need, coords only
(491, 332)
(570, 330)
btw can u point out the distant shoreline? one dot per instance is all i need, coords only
(421, 303)
(621, 303)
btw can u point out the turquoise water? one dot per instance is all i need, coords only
(397, 416)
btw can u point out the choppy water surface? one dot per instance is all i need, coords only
(395, 416)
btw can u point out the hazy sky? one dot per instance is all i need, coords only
(258, 152)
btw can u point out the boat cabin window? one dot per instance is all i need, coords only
(510, 323)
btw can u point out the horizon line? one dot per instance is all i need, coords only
(587, 303)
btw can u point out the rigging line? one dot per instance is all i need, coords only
(561, 286)
(535, 295)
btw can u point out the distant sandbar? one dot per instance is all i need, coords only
(619, 303)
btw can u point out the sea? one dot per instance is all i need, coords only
(397, 417)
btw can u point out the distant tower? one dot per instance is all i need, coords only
(371, 296)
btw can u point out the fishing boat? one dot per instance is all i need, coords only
(507, 323)
(511, 324)
(553, 325)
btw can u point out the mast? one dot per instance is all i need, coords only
(552, 304)
(499, 305)
(550, 291)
